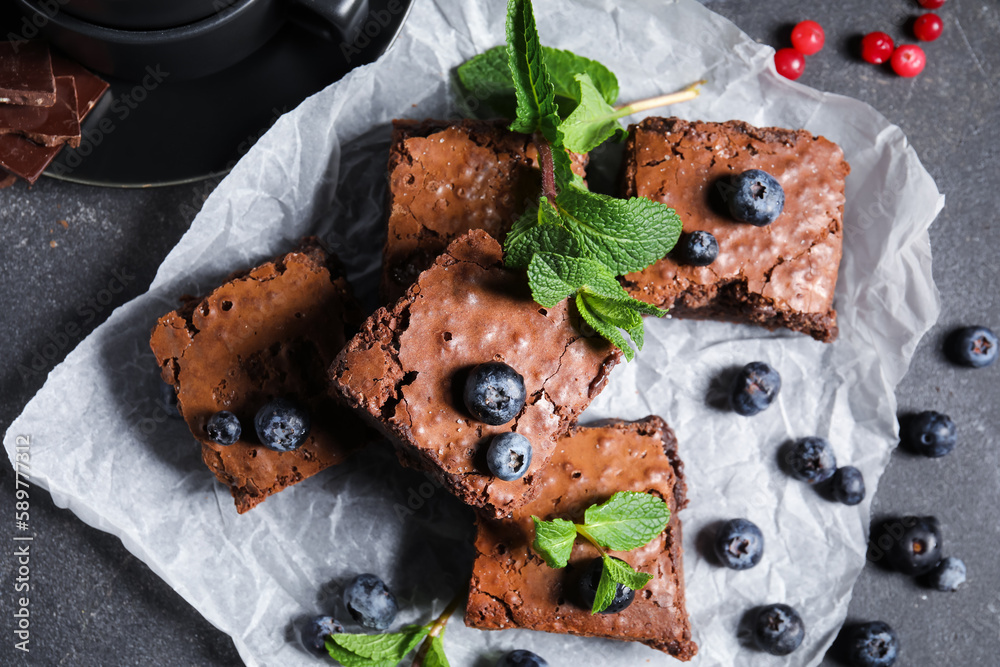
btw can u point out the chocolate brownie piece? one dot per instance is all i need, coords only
(447, 177)
(512, 587)
(405, 370)
(268, 332)
(781, 275)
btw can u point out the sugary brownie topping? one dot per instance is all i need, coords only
(787, 269)
(446, 178)
(268, 332)
(407, 367)
(512, 587)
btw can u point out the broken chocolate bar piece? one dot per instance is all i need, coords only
(89, 86)
(26, 74)
(53, 125)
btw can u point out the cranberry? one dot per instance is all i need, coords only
(908, 60)
(808, 37)
(928, 27)
(876, 48)
(931, 4)
(790, 63)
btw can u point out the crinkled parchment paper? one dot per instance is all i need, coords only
(103, 446)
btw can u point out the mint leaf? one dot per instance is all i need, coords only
(622, 573)
(625, 235)
(537, 230)
(487, 76)
(554, 540)
(435, 654)
(606, 589)
(605, 329)
(592, 122)
(627, 520)
(563, 68)
(383, 650)
(536, 106)
(563, 166)
(554, 277)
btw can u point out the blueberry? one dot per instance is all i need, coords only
(917, 550)
(948, 575)
(587, 589)
(317, 630)
(223, 428)
(494, 393)
(698, 249)
(739, 544)
(778, 629)
(812, 460)
(972, 346)
(756, 197)
(282, 425)
(848, 485)
(929, 433)
(872, 644)
(509, 456)
(754, 388)
(522, 658)
(370, 602)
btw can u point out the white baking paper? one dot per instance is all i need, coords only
(103, 446)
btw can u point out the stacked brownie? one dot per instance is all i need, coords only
(285, 329)
(43, 99)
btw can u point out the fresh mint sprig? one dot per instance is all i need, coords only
(627, 521)
(488, 77)
(391, 648)
(574, 243)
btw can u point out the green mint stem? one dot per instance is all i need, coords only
(688, 93)
(582, 531)
(437, 627)
(547, 166)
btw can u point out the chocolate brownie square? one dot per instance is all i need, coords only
(406, 368)
(512, 587)
(268, 332)
(447, 177)
(781, 275)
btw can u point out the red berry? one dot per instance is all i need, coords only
(790, 63)
(931, 4)
(808, 37)
(928, 27)
(876, 48)
(908, 60)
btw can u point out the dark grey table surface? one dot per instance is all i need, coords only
(93, 603)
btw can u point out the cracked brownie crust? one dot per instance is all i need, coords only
(782, 275)
(447, 177)
(512, 587)
(406, 369)
(271, 331)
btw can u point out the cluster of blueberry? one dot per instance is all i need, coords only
(282, 424)
(494, 394)
(369, 602)
(753, 196)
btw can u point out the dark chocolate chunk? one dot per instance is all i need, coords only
(26, 74)
(48, 126)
